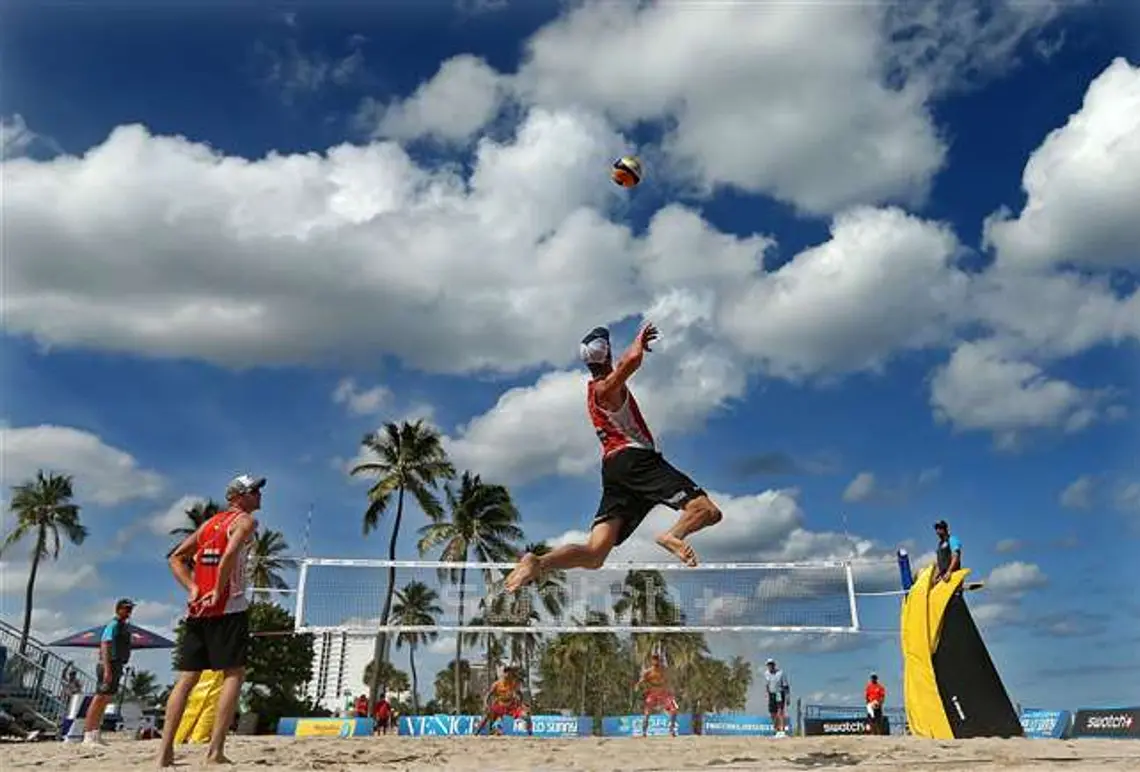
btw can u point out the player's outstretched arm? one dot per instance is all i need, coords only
(628, 363)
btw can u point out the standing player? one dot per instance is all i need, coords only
(876, 695)
(658, 696)
(635, 476)
(505, 698)
(776, 684)
(216, 633)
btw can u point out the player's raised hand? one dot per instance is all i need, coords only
(646, 335)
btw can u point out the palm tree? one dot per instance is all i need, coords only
(483, 522)
(550, 592)
(143, 686)
(268, 563)
(415, 607)
(406, 458)
(43, 507)
(197, 514)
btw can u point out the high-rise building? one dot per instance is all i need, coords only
(339, 660)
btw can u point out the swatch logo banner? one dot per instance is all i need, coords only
(1112, 722)
(832, 726)
(1044, 724)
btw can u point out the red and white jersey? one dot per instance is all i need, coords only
(213, 539)
(619, 429)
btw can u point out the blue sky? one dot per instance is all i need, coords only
(891, 287)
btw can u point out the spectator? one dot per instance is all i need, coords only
(114, 653)
(776, 684)
(71, 685)
(949, 553)
(382, 713)
(360, 707)
(876, 695)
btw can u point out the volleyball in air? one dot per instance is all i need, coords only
(627, 171)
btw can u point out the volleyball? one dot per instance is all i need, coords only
(627, 171)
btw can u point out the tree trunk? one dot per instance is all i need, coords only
(582, 691)
(459, 640)
(380, 651)
(41, 537)
(415, 682)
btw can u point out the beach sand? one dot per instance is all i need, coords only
(505, 754)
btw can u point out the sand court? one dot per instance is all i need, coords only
(597, 754)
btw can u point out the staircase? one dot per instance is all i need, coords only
(32, 683)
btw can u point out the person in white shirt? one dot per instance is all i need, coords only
(776, 684)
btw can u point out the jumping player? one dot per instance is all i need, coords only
(635, 476)
(658, 696)
(505, 698)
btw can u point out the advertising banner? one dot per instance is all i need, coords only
(1045, 724)
(630, 726)
(732, 724)
(443, 725)
(815, 727)
(325, 727)
(1107, 722)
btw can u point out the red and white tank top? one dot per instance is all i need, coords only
(212, 542)
(619, 429)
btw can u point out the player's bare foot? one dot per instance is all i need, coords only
(678, 547)
(523, 574)
(217, 760)
(166, 760)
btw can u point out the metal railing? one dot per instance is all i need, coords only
(36, 678)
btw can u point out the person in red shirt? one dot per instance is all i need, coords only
(876, 695)
(215, 633)
(382, 714)
(635, 475)
(360, 707)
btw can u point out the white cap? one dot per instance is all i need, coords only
(244, 483)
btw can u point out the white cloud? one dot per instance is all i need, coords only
(461, 98)
(361, 401)
(1082, 184)
(295, 73)
(1128, 497)
(981, 388)
(887, 281)
(52, 577)
(15, 136)
(861, 488)
(1007, 545)
(995, 614)
(1079, 493)
(103, 474)
(174, 516)
(1014, 579)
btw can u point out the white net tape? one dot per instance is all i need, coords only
(347, 596)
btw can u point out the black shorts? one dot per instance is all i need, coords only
(116, 678)
(636, 480)
(774, 705)
(214, 643)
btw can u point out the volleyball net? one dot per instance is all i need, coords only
(348, 596)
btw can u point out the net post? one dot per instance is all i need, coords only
(299, 610)
(850, 572)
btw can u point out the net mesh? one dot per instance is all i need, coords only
(349, 595)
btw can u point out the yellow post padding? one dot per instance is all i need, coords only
(920, 626)
(201, 708)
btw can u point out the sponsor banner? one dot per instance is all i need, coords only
(325, 727)
(439, 725)
(630, 726)
(443, 725)
(815, 727)
(550, 726)
(1045, 724)
(1107, 722)
(732, 724)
